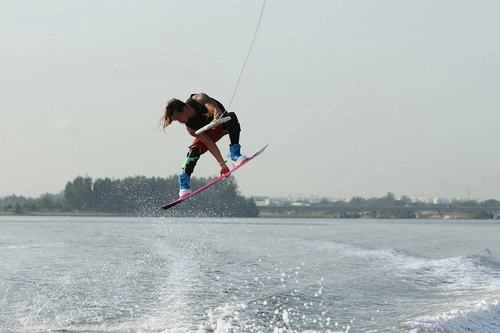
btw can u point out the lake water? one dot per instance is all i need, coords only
(101, 274)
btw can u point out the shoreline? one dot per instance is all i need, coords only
(273, 216)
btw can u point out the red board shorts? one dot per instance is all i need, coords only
(215, 134)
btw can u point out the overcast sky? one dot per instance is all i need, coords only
(354, 98)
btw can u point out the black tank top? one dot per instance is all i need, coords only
(203, 117)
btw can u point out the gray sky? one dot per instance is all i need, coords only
(354, 98)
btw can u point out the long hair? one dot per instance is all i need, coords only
(173, 105)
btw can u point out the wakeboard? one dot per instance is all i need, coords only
(215, 181)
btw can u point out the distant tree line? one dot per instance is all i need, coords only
(45, 203)
(138, 196)
(390, 200)
(142, 196)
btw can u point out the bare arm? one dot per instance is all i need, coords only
(209, 103)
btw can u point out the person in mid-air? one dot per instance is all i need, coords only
(200, 110)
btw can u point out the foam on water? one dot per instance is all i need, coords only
(456, 282)
(217, 278)
(483, 317)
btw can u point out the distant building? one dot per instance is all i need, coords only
(262, 201)
(441, 201)
(421, 199)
